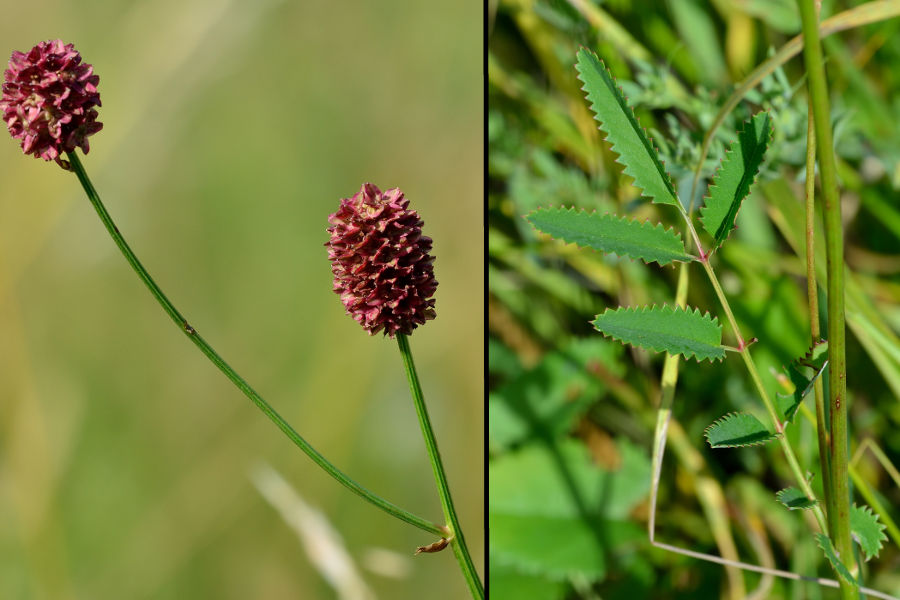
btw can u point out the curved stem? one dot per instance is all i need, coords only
(238, 381)
(457, 541)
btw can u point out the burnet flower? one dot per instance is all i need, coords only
(381, 263)
(48, 100)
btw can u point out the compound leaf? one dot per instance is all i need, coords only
(623, 132)
(831, 554)
(608, 233)
(732, 181)
(866, 530)
(794, 499)
(664, 329)
(738, 429)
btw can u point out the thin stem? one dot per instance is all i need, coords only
(834, 266)
(812, 294)
(743, 347)
(238, 381)
(457, 541)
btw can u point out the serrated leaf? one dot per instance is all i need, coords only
(732, 181)
(794, 499)
(802, 373)
(608, 233)
(738, 429)
(623, 132)
(831, 554)
(664, 329)
(867, 530)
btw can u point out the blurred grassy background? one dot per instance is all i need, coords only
(231, 131)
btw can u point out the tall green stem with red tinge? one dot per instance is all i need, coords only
(834, 253)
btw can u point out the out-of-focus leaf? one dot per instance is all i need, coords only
(665, 329)
(510, 583)
(611, 234)
(546, 400)
(624, 133)
(738, 429)
(562, 480)
(556, 513)
(698, 32)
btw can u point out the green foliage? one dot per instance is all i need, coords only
(738, 429)
(794, 499)
(866, 530)
(624, 133)
(802, 373)
(546, 400)
(555, 513)
(830, 553)
(732, 181)
(608, 233)
(665, 329)
(544, 151)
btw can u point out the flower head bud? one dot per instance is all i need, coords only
(48, 100)
(381, 263)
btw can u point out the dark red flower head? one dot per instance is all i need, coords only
(48, 100)
(381, 262)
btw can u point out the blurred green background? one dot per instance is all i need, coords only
(231, 131)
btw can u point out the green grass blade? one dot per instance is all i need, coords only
(664, 329)
(732, 181)
(623, 132)
(738, 429)
(611, 234)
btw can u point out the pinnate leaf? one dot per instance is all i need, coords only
(794, 499)
(866, 530)
(831, 554)
(732, 181)
(608, 233)
(738, 429)
(664, 329)
(802, 373)
(623, 132)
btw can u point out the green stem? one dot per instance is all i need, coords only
(812, 295)
(770, 406)
(238, 381)
(457, 541)
(834, 266)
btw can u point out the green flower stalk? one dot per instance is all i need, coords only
(384, 273)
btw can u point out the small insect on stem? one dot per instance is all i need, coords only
(435, 547)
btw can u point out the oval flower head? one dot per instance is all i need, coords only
(48, 100)
(381, 263)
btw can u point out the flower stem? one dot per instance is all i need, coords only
(238, 381)
(834, 266)
(812, 293)
(457, 541)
